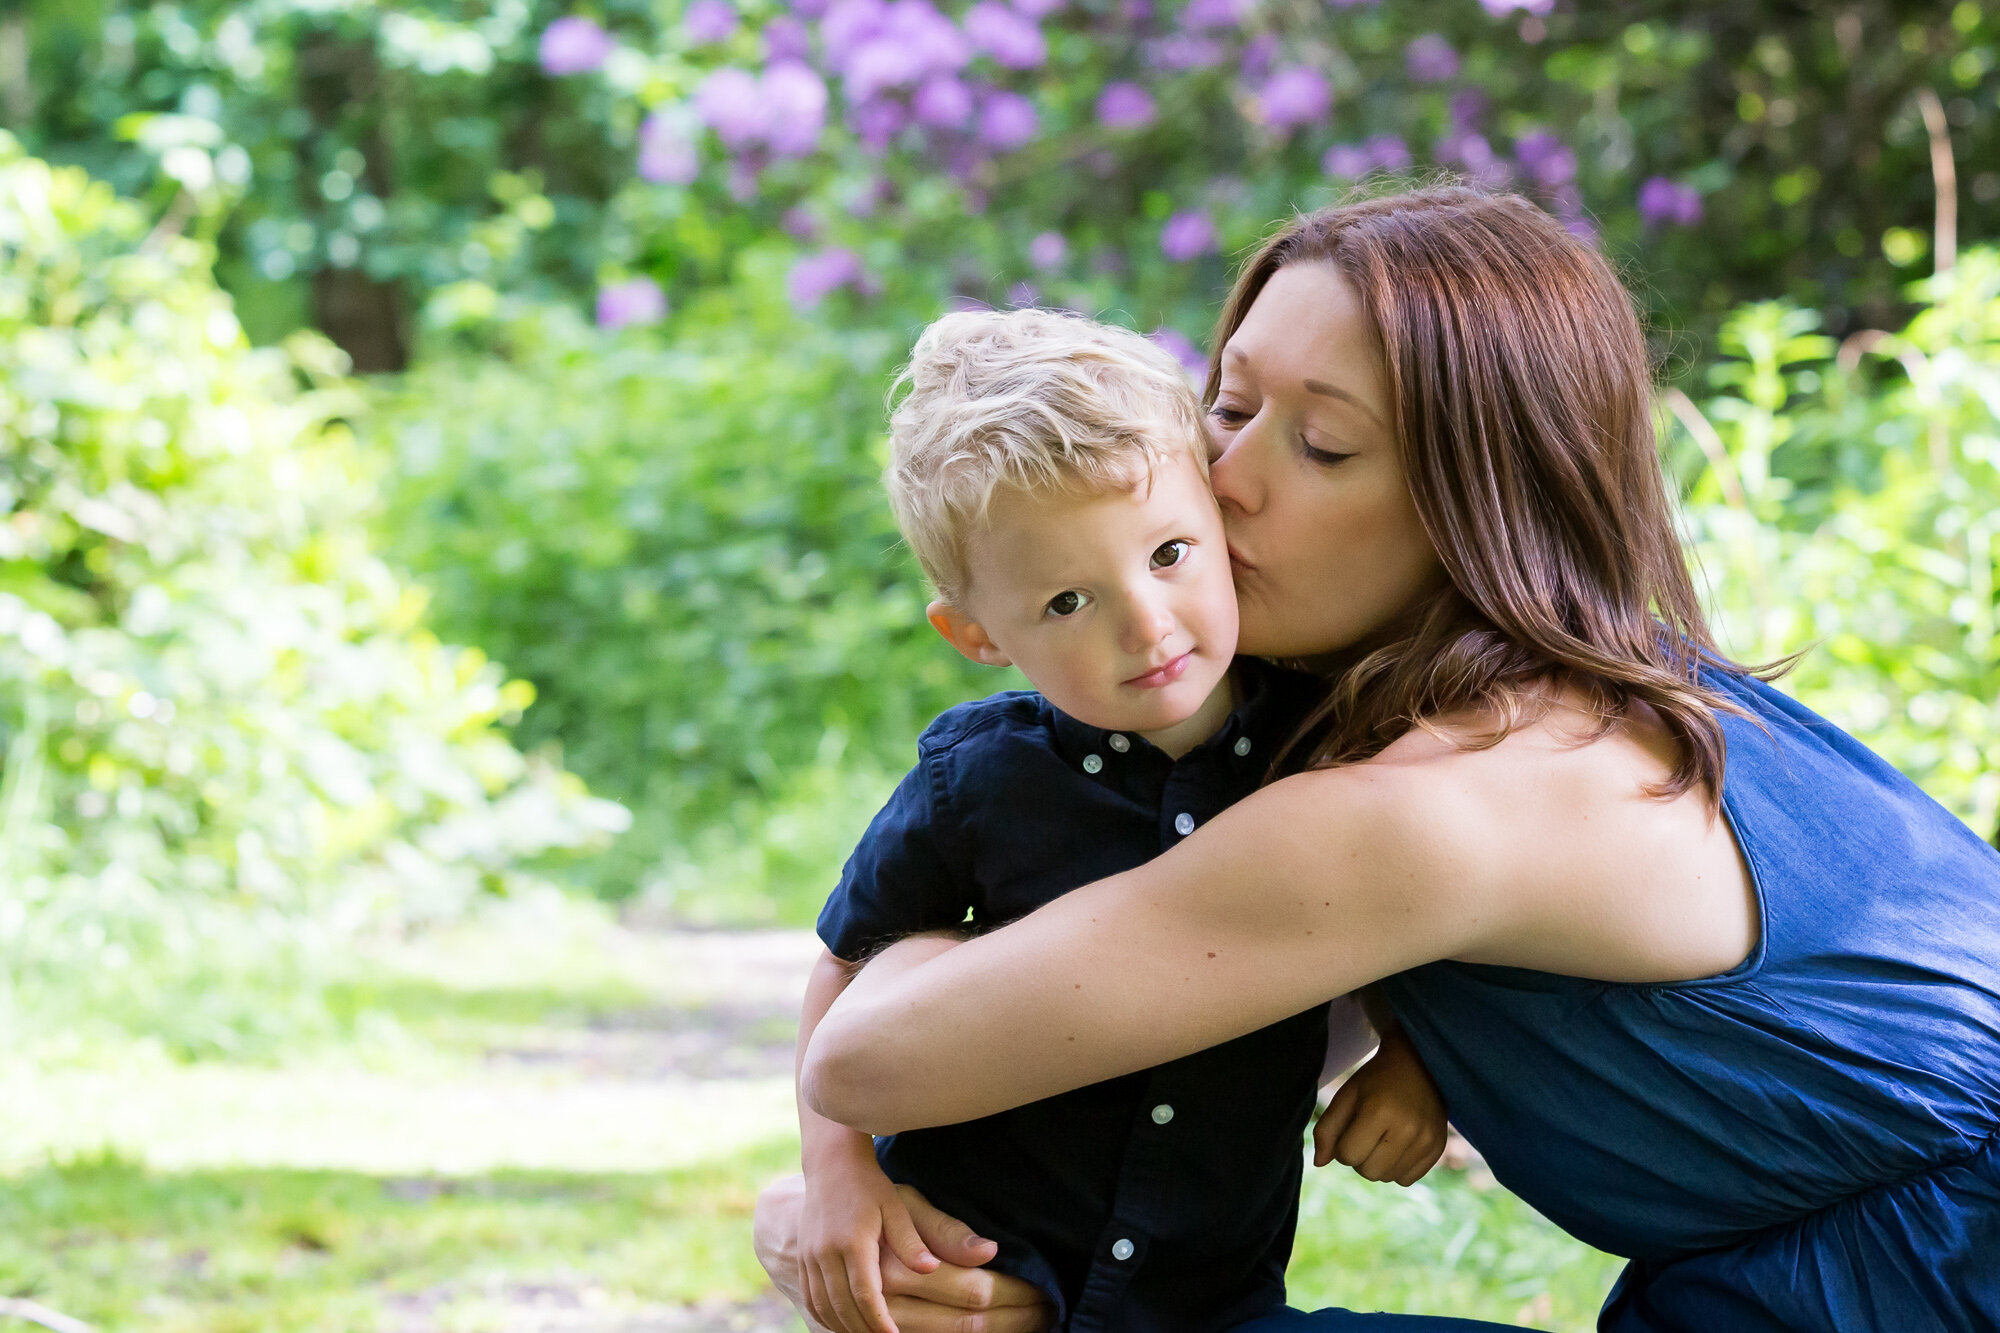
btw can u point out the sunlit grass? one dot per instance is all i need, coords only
(1451, 1245)
(547, 1108)
(106, 1240)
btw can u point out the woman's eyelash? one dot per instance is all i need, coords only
(1323, 457)
(1226, 414)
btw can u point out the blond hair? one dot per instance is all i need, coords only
(1033, 400)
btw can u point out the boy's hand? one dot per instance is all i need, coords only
(1387, 1121)
(851, 1210)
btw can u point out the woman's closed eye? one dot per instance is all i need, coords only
(1067, 603)
(1323, 457)
(1229, 418)
(1168, 554)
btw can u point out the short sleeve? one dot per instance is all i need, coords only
(899, 879)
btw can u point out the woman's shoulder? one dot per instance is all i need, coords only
(1551, 831)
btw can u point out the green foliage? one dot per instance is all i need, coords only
(220, 712)
(414, 148)
(1849, 504)
(683, 543)
(1453, 1244)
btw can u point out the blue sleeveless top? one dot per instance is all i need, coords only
(1809, 1141)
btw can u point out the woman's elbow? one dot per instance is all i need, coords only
(839, 1082)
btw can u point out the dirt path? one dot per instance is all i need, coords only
(511, 1058)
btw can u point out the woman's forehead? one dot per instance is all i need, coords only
(1307, 329)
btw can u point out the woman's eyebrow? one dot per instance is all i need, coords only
(1334, 391)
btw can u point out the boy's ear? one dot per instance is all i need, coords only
(965, 634)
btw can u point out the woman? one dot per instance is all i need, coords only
(1738, 1020)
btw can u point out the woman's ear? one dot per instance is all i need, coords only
(965, 634)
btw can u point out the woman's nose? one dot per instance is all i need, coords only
(1233, 478)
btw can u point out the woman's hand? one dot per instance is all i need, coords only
(957, 1296)
(1387, 1121)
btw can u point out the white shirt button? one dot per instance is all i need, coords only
(1092, 764)
(1119, 743)
(1162, 1113)
(1184, 824)
(1121, 1250)
(1242, 745)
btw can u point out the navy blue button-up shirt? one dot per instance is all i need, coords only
(1162, 1200)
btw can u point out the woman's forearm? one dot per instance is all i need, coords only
(1247, 922)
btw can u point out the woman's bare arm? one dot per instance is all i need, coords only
(1536, 853)
(1152, 964)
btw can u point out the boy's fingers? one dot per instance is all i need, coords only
(904, 1242)
(847, 1313)
(815, 1293)
(864, 1279)
(1390, 1158)
(1358, 1140)
(946, 1237)
(1332, 1121)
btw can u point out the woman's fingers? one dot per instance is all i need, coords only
(953, 1285)
(947, 1238)
(916, 1316)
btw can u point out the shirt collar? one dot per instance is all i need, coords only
(1274, 701)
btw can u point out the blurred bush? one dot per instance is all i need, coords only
(221, 713)
(1846, 500)
(681, 541)
(349, 160)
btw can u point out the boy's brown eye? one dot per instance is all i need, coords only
(1168, 554)
(1066, 604)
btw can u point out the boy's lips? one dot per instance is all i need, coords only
(1166, 674)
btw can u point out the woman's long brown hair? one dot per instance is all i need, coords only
(1521, 402)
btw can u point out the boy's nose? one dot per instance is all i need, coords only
(1148, 623)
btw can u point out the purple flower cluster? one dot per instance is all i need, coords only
(634, 301)
(1188, 235)
(1007, 121)
(1663, 201)
(1048, 250)
(1201, 15)
(816, 276)
(783, 110)
(1545, 158)
(785, 38)
(879, 46)
(574, 45)
(1010, 37)
(667, 153)
(1430, 59)
(1183, 350)
(1293, 97)
(708, 22)
(1383, 152)
(1500, 9)
(1124, 106)
(1180, 51)
(1473, 154)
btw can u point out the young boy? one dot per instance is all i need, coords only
(1051, 476)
